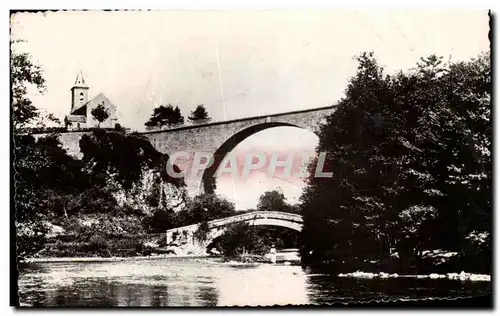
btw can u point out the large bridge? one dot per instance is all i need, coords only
(185, 235)
(217, 138)
(220, 138)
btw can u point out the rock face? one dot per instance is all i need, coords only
(149, 192)
(134, 172)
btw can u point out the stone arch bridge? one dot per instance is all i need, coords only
(185, 235)
(220, 138)
(217, 138)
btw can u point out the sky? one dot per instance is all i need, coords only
(237, 63)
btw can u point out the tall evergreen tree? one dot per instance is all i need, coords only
(199, 115)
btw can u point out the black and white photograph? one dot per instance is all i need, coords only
(251, 157)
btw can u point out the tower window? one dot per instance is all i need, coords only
(81, 96)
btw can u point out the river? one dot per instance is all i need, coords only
(200, 282)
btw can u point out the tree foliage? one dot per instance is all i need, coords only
(240, 239)
(43, 172)
(205, 207)
(202, 231)
(24, 73)
(199, 115)
(165, 116)
(100, 113)
(409, 152)
(273, 201)
(121, 157)
(41, 167)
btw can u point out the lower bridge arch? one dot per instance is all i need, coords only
(219, 226)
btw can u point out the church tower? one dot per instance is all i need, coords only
(79, 92)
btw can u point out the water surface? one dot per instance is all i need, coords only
(199, 282)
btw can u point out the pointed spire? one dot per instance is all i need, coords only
(80, 81)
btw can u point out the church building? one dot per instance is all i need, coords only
(80, 115)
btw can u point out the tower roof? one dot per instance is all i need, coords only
(80, 81)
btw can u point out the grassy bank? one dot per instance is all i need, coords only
(102, 246)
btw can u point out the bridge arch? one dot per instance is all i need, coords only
(220, 138)
(208, 179)
(219, 226)
(215, 233)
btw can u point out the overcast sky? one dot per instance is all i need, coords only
(237, 63)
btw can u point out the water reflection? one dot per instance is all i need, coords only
(190, 282)
(265, 285)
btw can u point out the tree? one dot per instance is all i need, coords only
(413, 223)
(162, 220)
(44, 175)
(40, 167)
(240, 239)
(122, 158)
(273, 201)
(100, 113)
(24, 73)
(205, 207)
(202, 231)
(199, 115)
(165, 116)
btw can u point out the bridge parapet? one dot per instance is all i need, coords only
(257, 218)
(256, 215)
(220, 138)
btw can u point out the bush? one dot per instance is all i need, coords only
(202, 231)
(99, 246)
(30, 238)
(241, 239)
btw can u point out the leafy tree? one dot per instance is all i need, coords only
(100, 113)
(273, 201)
(163, 220)
(44, 172)
(408, 152)
(165, 116)
(205, 207)
(199, 115)
(202, 231)
(41, 168)
(24, 73)
(121, 157)
(413, 221)
(240, 239)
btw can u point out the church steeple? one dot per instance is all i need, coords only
(80, 81)
(79, 92)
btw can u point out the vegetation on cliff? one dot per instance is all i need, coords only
(114, 190)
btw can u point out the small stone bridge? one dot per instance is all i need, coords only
(185, 237)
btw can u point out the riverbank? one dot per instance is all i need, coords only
(104, 259)
(197, 258)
